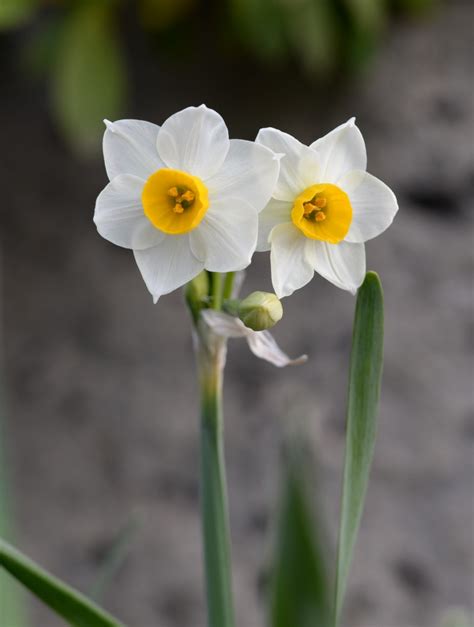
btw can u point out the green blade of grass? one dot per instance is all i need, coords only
(364, 391)
(299, 585)
(74, 607)
(12, 609)
(114, 559)
(12, 603)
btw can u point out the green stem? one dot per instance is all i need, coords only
(228, 285)
(216, 290)
(215, 522)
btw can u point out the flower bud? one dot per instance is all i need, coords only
(260, 311)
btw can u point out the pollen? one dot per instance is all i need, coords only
(173, 192)
(320, 216)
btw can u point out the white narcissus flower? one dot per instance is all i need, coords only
(261, 343)
(324, 207)
(183, 196)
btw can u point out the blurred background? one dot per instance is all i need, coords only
(101, 425)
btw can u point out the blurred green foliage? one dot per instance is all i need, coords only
(12, 610)
(300, 585)
(15, 12)
(456, 617)
(77, 44)
(88, 78)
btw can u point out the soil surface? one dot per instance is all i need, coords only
(102, 419)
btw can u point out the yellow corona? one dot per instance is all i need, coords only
(175, 202)
(323, 212)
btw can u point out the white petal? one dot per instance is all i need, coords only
(290, 267)
(342, 264)
(226, 238)
(299, 165)
(195, 140)
(373, 205)
(130, 148)
(168, 266)
(276, 212)
(119, 214)
(250, 171)
(263, 345)
(341, 151)
(225, 325)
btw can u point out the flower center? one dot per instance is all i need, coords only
(175, 202)
(323, 212)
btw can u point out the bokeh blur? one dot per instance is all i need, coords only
(101, 424)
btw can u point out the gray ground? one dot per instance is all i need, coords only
(101, 382)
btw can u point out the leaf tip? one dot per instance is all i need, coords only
(371, 284)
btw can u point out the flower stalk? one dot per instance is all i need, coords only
(211, 353)
(228, 285)
(216, 290)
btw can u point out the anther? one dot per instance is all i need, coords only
(320, 216)
(173, 192)
(178, 208)
(188, 196)
(320, 202)
(309, 208)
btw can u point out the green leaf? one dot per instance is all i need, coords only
(162, 14)
(89, 80)
(313, 29)
(365, 22)
(61, 598)
(114, 559)
(367, 14)
(364, 391)
(12, 609)
(40, 50)
(299, 585)
(14, 13)
(415, 6)
(260, 26)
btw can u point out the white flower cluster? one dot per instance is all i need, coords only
(184, 197)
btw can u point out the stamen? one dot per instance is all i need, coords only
(188, 196)
(173, 192)
(308, 208)
(320, 202)
(178, 208)
(320, 216)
